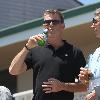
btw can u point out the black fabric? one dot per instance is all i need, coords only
(63, 64)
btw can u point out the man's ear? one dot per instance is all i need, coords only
(63, 25)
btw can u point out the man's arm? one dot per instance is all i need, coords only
(54, 85)
(91, 96)
(18, 65)
(75, 87)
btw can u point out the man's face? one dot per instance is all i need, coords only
(55, 28)
(96, 26)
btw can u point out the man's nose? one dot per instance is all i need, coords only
(51, 23)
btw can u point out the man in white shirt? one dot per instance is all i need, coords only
(92, 74)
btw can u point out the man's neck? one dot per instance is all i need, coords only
(58, 44)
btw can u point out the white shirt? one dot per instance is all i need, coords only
(94, 66)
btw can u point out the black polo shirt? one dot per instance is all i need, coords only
(63, 64)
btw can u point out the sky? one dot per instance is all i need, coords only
(86, 2)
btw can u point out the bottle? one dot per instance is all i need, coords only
(43, 41)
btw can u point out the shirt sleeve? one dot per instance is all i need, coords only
(79, 62)
(28, 60)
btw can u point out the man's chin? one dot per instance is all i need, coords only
(98, 36)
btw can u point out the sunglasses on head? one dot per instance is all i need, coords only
(94, 21)
(54, 22)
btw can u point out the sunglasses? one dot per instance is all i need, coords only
(94, 21)
(54, 22)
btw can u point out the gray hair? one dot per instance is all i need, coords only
(97, 12)
(5, 93)
(54, 11)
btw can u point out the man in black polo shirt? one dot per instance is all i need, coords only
(55, 65)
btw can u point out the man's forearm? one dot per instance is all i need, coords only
(75, 87)
(18, 62)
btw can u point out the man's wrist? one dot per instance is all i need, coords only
(65, 86)
(27, 47)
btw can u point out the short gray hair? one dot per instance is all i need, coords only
(97, 12)
(54, 11)
(5, 93)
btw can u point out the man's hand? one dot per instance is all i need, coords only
(84, 75)
(91, 96)
(52, 85)
(33, 40)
